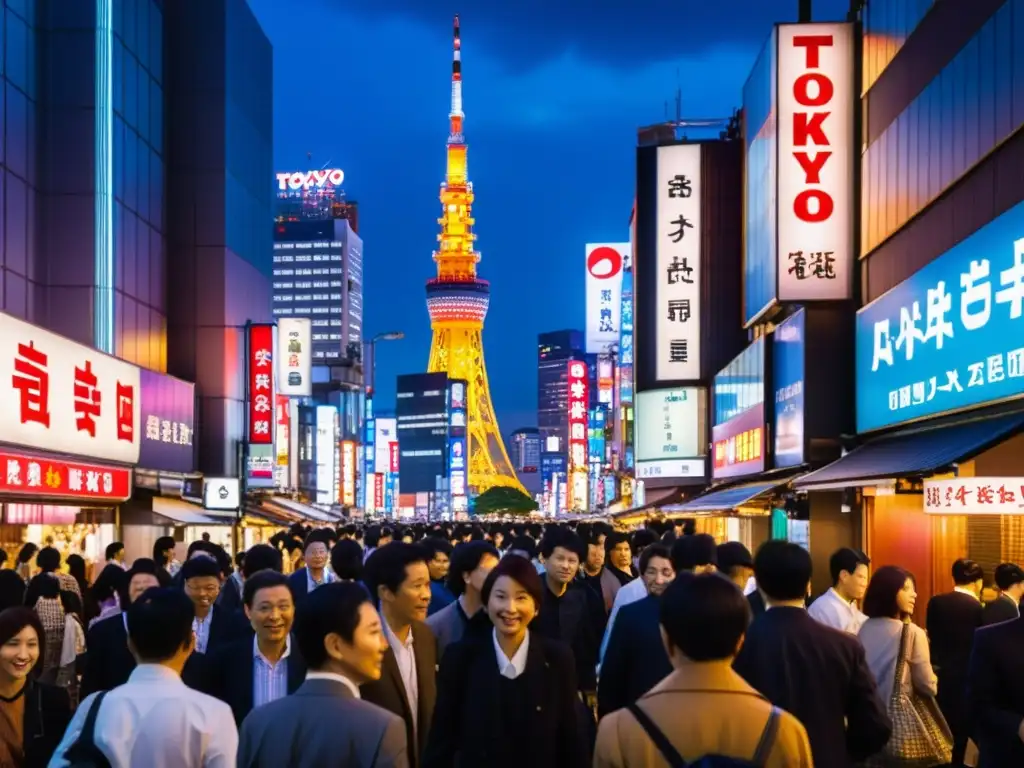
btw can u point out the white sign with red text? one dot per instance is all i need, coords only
(974, 496)
(816, 155)
(62, 396)
(605, 263)
(295, 181)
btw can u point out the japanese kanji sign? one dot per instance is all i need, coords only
(678, 261)
(578, 403)
(974, 496)
(58, 395)
(261, 384)
(815, 161)
(949, 337)
(168, 423)
(42, 477)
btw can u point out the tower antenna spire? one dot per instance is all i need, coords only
(455, 114)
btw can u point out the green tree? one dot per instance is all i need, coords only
(504, 501)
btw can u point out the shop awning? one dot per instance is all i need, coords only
(312, 513)
(183, 513)
(725, 499)
(917, 452)
(656, 497)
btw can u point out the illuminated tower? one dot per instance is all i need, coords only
(457, 301)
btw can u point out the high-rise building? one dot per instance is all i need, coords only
(457, 301)
(219, 106)
(554, 351)
(117, 165)
(318, 274)
(315, 195)
(524, 449)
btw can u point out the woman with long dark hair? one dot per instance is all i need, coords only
(33, 716)
(23, 565)
(510, 687)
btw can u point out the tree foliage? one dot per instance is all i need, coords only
(504, 501)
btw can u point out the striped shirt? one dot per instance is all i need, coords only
(269, 681)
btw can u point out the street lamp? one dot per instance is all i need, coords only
(386, 336)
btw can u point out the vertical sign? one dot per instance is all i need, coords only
(261, 384)
(378, 490)
(458, 460)
(348, 473)
(626, 340)
(678, 258)
(578, 405)
(295, 356)
(815, 177)
(606, 263)
(326, 454)
(393, 457)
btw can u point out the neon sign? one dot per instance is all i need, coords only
(299, 180)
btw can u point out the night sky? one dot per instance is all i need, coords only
(553, 94)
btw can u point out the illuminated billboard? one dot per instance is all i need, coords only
(299, 181)
(606, 263)
(578, 403)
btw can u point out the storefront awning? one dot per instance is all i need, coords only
(298, 508)
(918, 452)
(723, 500)
(654, 498)
(182, 513)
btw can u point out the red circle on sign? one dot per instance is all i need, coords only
(604, 262)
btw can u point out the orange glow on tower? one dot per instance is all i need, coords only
(457, 301)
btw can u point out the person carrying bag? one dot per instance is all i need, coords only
(921, 738)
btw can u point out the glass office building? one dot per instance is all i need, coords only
(554, 351)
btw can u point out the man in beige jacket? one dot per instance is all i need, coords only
(702, 708)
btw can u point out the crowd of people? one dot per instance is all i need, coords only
(458, 645)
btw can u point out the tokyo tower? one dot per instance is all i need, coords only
(457, 301)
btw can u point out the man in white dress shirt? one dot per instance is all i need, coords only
(837, 608)
(154, 719)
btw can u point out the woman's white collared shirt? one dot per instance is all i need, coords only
(514, 667)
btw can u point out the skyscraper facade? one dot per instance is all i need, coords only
(219, 102)
(524, 449)
(554, 351)
(318, 274)
(117, 165)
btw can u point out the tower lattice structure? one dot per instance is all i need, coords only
(457, 301)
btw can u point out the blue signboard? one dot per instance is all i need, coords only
(609, 489)
(595, 441)
(551, 462)
(788, 368)
(626, 339)
(951, 336)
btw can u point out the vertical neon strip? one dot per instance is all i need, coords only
(103, 300)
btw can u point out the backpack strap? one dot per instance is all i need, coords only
(767, 741)
(656, 735)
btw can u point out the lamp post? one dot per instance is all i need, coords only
(367, 462)
(386, 336)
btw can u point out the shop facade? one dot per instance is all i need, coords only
(70, 419)
(939, 361)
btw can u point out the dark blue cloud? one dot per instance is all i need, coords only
(614, 32)
(551, 136)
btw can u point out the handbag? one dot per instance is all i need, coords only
(921, 738)
(84, 753)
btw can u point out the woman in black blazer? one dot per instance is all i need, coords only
(507, 699)
(33, 716)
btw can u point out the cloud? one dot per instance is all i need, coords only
(612, 32)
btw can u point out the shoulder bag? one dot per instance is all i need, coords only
(84, 753)
(921, 738)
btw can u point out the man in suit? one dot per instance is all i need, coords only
(995, 694)
(108, 662)
(703, 709)
(324, 722)
(397, 577)
(635, 660)
(213, 627)
(439, 554)
(246, 674)
(951, 620)
(817, 673)
(1009, 578)
(316, 553)
(470, 564)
